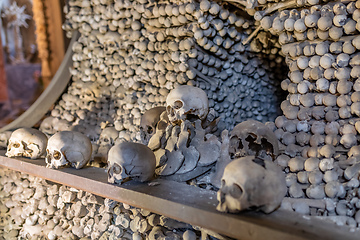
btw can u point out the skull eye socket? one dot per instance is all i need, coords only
(161, 125)
(116, 168)
(235, 191)
(16, 145)
(57, 155)
(149, 130)
(235, 145)
(178, 104)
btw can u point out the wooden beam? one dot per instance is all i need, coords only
(187, 204)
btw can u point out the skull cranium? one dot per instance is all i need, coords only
(107, 139)
(148, 123)
(253, 138)
(4, 138)
(251, 182)
(68, 147)
(128, 160)
(186, 103)
(47, 125)
(27, 142)
(109, 41)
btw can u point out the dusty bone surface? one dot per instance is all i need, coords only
(32, 208)
(317, 130)
(310, 137)
(136, 53)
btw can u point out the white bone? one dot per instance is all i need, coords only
(68, 147)
(27, 142)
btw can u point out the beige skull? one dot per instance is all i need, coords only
(186, 103)
(251, 182)
(68, 148)
(253, 138)
(107, 139)
(26, 142)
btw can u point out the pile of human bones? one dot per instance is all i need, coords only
(130, 55)
(32, 208)
(319, 127)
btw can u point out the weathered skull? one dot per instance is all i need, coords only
(253, 138)
(128, 160)
(27, 142)
(107, 139)
(4, 138)
(68, 147)
(90, 91)
(109, 41)
(148, 123)
(186, 103)
(47, 125)
(251, 182)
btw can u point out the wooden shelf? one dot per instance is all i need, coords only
(185, 203)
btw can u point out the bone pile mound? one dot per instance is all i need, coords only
(320, 124)
(32, 208)
(130, 54)
(181, 135)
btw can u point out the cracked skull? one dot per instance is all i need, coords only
(128, 160)
(68, 148)
(251, 182)
(26, 142)
(150, 121)
(253, 138)
(186, 103)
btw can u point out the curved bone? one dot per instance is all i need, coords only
(209, 149)
(223, 160)
(191, 155)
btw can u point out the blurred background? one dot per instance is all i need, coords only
(31, 50)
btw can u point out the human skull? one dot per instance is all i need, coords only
(149, 122)
(253, 138)
(68, 147)
(186, 103)
(129, 160)
(110, 41)
(4, 138)
(47, 125)
(107, 139)
(90, 91)
(251, 182)
(26, 142)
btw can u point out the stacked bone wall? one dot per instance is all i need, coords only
(32, 208)
(319, 127)
(130, 54)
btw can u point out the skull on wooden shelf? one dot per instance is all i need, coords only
(251, 182)
(27, 142)
(129, 160)
(68, 148)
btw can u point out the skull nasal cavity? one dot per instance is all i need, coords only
(178, 104)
